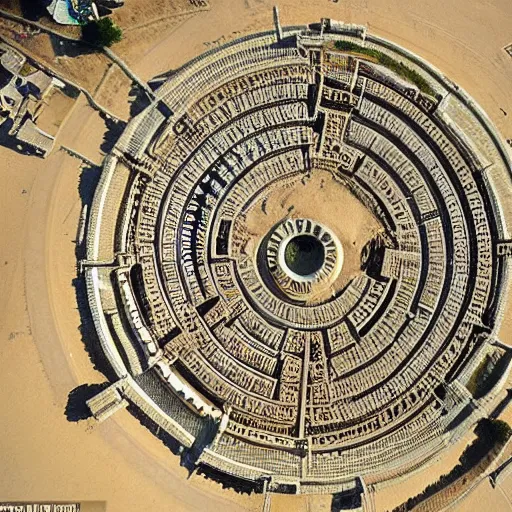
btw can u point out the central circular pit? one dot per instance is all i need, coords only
(297, 260)
(303, 258)
(304, 255)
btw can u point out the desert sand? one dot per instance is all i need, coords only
(330, 203)
(47, 457)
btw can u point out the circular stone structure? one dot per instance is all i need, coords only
(357, 369)
(302, 254)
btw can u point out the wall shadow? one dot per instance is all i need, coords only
(88, 332)
(76, 408)
(348, 500)
(66, 48)
(139, 100)
(111, 136)
(229, 482)
(10, 142)
(87, 184)
(34, 10)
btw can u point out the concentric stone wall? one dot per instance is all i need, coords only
(308, 384)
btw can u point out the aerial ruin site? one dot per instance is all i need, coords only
(256, 256)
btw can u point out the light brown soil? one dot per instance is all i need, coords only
(322, 199)
(139, 39)
(144, 23)
(113, 93)
(138, 12)
(11, 5)
(55, 109)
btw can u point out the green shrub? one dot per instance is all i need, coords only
(103, 32)
(393, 65)
(487, 375)
(291, 252)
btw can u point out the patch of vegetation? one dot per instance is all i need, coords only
(385, 60)
(32, 9)
(103, 32)
(486, 375)
(304, 254)
(291, 252)
(491, 436)
(27, 69)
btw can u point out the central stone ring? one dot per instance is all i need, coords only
(301, 253)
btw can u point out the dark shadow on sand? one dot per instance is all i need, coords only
(10, 142)
(34, 10)
(76, 408)
(111, 136)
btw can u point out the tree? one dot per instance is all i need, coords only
(103, 32)
(33, 9)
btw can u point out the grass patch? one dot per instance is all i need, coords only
(291, 252)
(304, 255)
(27, 69)
(385, 60)
(486, 375)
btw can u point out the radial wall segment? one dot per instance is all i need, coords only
(298, 256)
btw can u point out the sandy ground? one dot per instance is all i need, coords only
(57, 107)
(43, 455)
(392, 496)
(114, 92)
(486, 498)
(322, 199)
(145, 22)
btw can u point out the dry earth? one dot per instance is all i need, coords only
(328, 202)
